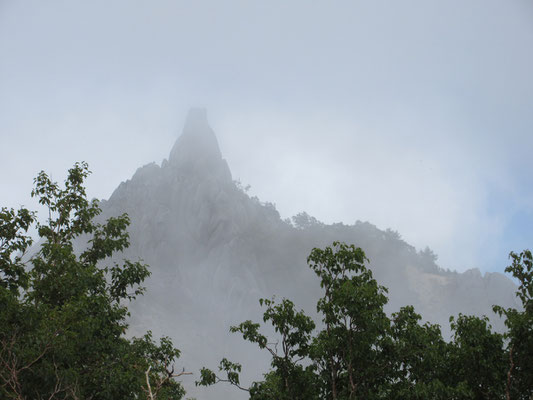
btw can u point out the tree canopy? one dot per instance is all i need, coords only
(63, 313)
(359, 352)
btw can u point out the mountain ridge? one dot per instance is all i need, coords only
(214, 251)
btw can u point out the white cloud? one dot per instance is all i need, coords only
(412, 115)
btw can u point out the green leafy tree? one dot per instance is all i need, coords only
(477, 358)
(14, 242)
(350, 352)
(62, 313)
(346, 359)
(290, 378)
(420, 357)
(519, 336)
(361, 353)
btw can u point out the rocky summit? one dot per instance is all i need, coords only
(214, 251)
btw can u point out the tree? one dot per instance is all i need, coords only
(346, 359)
(63, 313)
(289, 379)
(519, 337)
(420, 359)
(361, 353)
(477, 358)
(350, 352)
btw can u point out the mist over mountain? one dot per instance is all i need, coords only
(214, 251)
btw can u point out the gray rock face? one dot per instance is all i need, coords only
(214, 251)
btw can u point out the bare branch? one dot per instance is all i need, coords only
(151, 396)
(509, 374)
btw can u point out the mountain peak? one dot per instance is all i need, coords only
(197, 141)
(197, 147)
(197, 120)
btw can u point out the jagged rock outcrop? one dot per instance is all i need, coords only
(214, 251)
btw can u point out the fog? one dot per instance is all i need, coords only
(214, 251)
(367, 115)
(413, 115)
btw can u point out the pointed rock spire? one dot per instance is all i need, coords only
(197, 147)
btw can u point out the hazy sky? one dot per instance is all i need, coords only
(413, 115)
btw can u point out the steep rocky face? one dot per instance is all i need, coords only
(196, 151)
(214, 252)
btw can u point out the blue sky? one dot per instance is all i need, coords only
(413, 115)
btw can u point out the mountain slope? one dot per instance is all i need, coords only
(214, 251)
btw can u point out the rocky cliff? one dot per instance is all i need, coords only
(214, 251)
